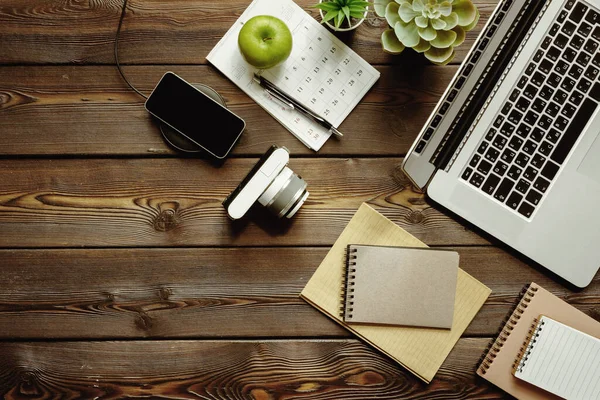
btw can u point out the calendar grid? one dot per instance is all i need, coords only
(322, 72)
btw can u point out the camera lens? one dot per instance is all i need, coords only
(285, 195)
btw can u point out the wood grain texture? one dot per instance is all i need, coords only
(212, 293)
(177, 202)
(258, 370)
(80, 110)
(155, 31)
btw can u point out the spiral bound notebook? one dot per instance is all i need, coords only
(499, 362)
(421, 350)
(561, 360)
(399, 286)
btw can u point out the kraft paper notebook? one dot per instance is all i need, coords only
(561, 360)
(500, 360)
(400, 286)
(421, 350)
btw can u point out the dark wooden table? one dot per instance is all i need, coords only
(120, 274)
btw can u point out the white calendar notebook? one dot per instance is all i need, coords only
(561, 360)
(322, 72)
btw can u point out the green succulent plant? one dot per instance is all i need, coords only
(342, 10)
(432, 27)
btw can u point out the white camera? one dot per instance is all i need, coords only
(272, 184)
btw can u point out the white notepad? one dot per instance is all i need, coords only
(561, 360)
(322, 72)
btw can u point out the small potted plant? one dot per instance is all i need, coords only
(343, 15)
(431, 27)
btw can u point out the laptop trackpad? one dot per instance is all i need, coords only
(590, 166)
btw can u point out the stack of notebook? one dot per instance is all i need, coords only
(534, 361)
(421, 350)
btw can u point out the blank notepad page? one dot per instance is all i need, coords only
(562, 360)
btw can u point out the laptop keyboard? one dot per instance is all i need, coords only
(552, 101)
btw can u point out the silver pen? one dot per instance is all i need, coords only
(294, 104)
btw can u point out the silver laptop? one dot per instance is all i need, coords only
(513, 146)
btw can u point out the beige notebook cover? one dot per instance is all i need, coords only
(400, 286)
(421, 350)
(498, 364)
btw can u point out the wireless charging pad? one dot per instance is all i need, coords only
(176, 139)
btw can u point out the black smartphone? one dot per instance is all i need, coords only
(195, 115)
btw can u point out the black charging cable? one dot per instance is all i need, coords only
(117, 51)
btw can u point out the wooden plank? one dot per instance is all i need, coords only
(155, 32)
(230, 370)
(177, 202)
(90, 111)
(212, 293)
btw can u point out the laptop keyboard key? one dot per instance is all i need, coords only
(561, 123)
(514, 172)
(567, 84)
(522, 105)
(595, 93)
(554, 79)
(569, 28)
(562, 16)
(538, 160)
(530, 91)
(476, 180)
(544, 122)
(553, 135)
(526, 210)
(466, 173)
(490, 135)
(507, 129)
(583, 59)
(596, 60)
(555, 28)
(549, 171)
(515, 143)
(475, 160)
(530, 173)
(569, 54)
(522, 160)
(553, 53)
(561, 40)
(514, 95)
(538, 105)
(504, 189)
(514, 200)
(492, 154)
(560, 97)
(576, 98)
(578, 12)
(546, 92)
(546, 148)
(577, 42)
(529, 147)
(533, 197)
(484, 167)
(584, 85)
(508, 156)
(523, 130)
(482, 147)
(490, 184)
(568, 110)
(591, 46)
(516, 116)
(552, 109)
(545, 66)
(575, 71)
(537, 135)
(541, 184)
(584, 29)
(596, 33)
(500, 168)
(592, 17)
(531, 118)
(523, 186)
(499, 142)
(538, 79)
(591, 72)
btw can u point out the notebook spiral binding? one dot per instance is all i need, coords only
(528, 345)
(347, 291)
(512, 319)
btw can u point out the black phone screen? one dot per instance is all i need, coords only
(195, 115)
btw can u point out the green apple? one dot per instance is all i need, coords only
(265, 41)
